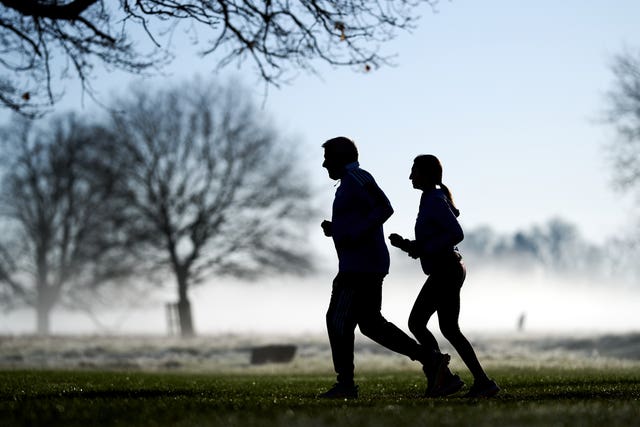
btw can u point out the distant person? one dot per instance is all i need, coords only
(521, 320)
(359, 210)
(437, 232)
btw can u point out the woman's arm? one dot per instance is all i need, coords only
(444, 229)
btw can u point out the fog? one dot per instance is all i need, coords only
(492, 302)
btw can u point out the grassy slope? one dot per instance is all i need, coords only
(544, 397)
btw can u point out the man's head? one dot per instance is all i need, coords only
(339, 152)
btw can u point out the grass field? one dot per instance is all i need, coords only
(531, 396)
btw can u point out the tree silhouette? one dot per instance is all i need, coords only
(211, 188)
(42, 39)
(60, 237)
(623, 112)
(555, 246)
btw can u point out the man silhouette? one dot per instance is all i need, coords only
(360, 209)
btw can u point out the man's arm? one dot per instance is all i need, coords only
(381, 209)
(377, 211)
(327, 228)
(372, 208)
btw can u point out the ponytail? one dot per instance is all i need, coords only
(449, 196)
(431, 168)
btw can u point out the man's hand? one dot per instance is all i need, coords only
(326, 227)
(398, 241)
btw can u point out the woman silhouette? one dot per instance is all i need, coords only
(437, 232)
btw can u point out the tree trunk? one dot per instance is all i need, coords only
(184, 309)
(186, 321)
(45, 295)
(43, 321)
(43, 313)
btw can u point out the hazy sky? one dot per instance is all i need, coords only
(507, 93)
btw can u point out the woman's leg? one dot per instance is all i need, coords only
(423, 309)
(448, 309)
(441, 382)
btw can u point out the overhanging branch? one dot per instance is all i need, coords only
(69, 11)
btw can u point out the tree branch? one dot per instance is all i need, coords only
(37, 9)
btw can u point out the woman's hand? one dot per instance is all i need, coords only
(406, 245)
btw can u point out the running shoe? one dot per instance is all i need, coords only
(487, 388)
(452, 384)
(341, 391)
(436, 369)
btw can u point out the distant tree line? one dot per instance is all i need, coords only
(181, 184)
(555, 247)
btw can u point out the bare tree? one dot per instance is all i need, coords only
(212, 188)
(60, 235)
(278, 36)
(44, 42)
(624, 114)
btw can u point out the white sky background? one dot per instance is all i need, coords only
(506, 93)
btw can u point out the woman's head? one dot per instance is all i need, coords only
(426, 172)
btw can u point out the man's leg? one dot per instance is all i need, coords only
(375, 326)
(341, 324)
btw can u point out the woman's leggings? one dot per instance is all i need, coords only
(441, 294)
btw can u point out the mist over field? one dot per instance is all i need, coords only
(519, 313)
(493, 301)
